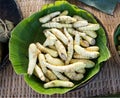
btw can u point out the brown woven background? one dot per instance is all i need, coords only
(106, 82)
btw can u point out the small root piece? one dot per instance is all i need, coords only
(74, 76)
(56, 25)
(68, 68)
(64, 19)
(79, 18)
(92, 48)
(58, 83)
(89, 39)
(60, 76)
(46, 50)
(64, 13)
(85, 53)
(41, 58)
(88, 63)
(52, 47)
(54, 61)
(70, 46)
(77, 39)
(48, 17)
(80, 24)
(61, 50)
(91, 33)
(48, 73)
(59, 35)
(50, 41)
(33, 52)
(84, 43)
(39, 73)
(89, 27)
(73, 32)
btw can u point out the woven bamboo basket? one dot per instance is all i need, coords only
(107, 81)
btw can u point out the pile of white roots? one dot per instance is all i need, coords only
(68, 50)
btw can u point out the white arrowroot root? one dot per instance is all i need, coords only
(90, 40)
(85, 53)
(47, 50)
(73, 32)
(46, 79)
(61, 50)
(50, 41)
(67, 51)
(82, 70)
(84, 43)
(41, 58)
(48, 73)
(89, 63)
(56, 25)
(60, 76)
(54, 61)
(48, 17)
(33, 52)
(78, 18)
(92, 48)
(89, 27)
(74, 76)
(78, 24)
(91, 33)
(64, 19)
(77, 39)
(52, 47)
(70, 46)
(39, 73)
(58, 83)
(64, 13)
(48, 33)
(59, 35)
(68, 68)
(78, 56)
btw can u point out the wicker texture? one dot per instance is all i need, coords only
(106, 82)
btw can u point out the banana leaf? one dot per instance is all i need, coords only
(30, 31)
(116, 34)
(106, 6)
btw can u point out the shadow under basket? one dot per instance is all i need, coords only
(5, 57)
(9, 10)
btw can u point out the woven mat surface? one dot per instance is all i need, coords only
(106, 82)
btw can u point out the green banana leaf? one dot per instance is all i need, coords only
(116, 33)
(106, 6)
(29, 31)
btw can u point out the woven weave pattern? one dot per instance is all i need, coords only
(106, 82)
